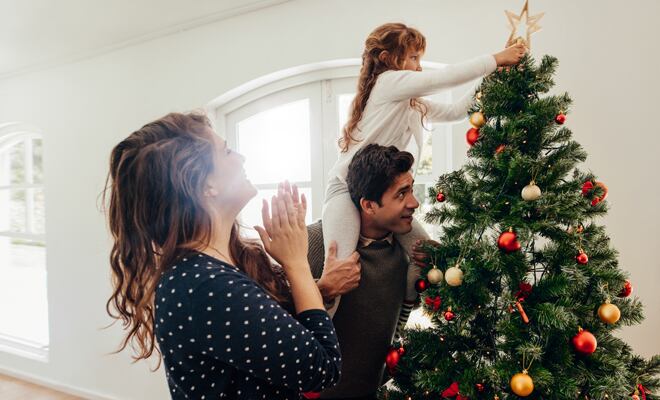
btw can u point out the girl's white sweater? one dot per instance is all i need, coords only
(389, 120)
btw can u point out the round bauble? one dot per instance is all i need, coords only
(522, 384)
(584, 342)
(582, 258)
(472, 136)
(440, 197)
(626, 290)
(454, 276)
(531, 192)
(392, 359)
(477, 119)
(560, 119)
(421, 285)
(508, 241)
(434, 276)
(609, 313)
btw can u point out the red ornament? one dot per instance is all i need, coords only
(433, 302)
(500, 149)
(440, 197)
(584, 342)
(524, 290)
(421, 285)
(588, 186)
(508, 241)
(451, 391)
(642, 390)
(626, 290)
(472, 136)
(312, 395)
(449, 315)
(392, 359)
(480, 387)
(401, 351)
(582, 258)
(560, 119)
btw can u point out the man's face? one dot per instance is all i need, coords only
(397, 206)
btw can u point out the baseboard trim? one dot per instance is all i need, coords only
(86, 394)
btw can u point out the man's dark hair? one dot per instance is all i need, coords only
(373, 170)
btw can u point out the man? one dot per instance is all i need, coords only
(381, 186)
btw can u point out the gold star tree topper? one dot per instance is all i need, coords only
(531, 25)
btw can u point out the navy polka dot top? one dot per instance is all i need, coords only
(223, 336)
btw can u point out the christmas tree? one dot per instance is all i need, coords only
(524, 290)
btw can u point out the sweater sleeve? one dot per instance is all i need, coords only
(402, 84)
(245, 328)
(450, 112)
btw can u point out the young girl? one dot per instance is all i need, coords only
(189, 287)
(388, 110)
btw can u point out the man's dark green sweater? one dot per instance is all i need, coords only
(367, 316)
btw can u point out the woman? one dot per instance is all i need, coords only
(188, 286)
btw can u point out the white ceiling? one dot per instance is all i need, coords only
(36, 34)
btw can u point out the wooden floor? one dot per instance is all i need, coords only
(16, 389)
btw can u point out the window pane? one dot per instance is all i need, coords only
(17, 163)
(251, 214)
(12, 210)
(23, 282)
(39, 212)
(344, 105)
(37, 161)
(276, 143)
(426, 162)
(421, 190)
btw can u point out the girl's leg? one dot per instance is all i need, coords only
(407, 241)
(341, 223)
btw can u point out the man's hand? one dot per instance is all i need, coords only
(339, 276)
(419, 255)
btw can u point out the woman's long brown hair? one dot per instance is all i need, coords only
(397, 39)
(157, 214)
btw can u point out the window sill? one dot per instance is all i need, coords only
(23, 348)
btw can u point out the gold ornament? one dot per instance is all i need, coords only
(531, 192)
(434, 276)
(609, 313)
(454, 276)
(522, 384)
(477, 119)
(531, 23)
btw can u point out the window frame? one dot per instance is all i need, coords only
(332, 76)
(11, 134)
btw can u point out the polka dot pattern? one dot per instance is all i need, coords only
(222, 336)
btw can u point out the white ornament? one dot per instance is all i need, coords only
(434, 276)
(454, 276)
(531, 192)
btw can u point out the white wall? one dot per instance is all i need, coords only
(608, 63)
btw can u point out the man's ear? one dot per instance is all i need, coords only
(383, 56)
(368, 206)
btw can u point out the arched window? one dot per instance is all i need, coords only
(23, 300)
(287, 125)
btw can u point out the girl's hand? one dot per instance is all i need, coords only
(511, 55)
(284, 234)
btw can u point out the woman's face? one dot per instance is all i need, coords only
(228, 186)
